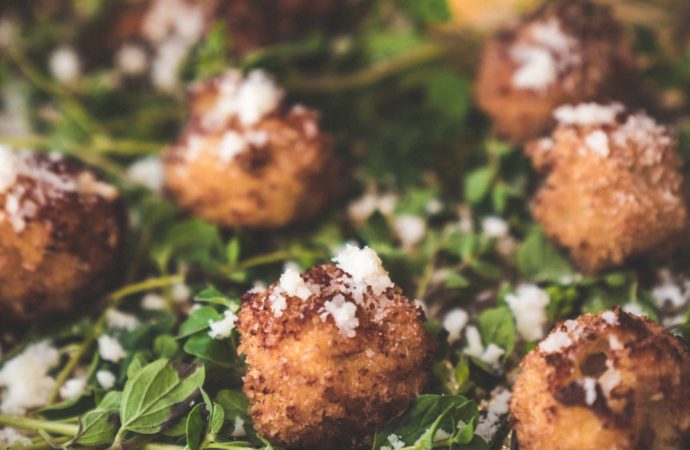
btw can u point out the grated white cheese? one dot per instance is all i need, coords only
(105, 378)
(167, 63)
(110, 348)
(238, 428)
(589, 385)
(490, 355)
(118, 319)
(454, 323)
(528, 305)
(132, 60)
(669, 295)
(489, 423)
(587, 114)
(395, 442)
(494, 227)
(292, 284)
(610, 318)
(8, 168)
(65, 65)
(180, 292)
(24, 380)
(222, 329)
(148, 172)
(441, 435)
(344, 315)
(153, 302)
(364, 207)
(73, 388)
(634, 309)
(555, 342)
(365, 267)
(231, 145)
(410, 229)
(11, 436)
(598, 142)
(278, 303)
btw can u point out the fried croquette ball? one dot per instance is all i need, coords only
(61, 234)
(332, 354)
(611, 381)
(566, 52)
(613, 190)
(246, 160)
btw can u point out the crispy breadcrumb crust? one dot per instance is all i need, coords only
(607, 208)
(649, 408)
(288, 180)
(68, 252)
(604, 70)
(311, 387)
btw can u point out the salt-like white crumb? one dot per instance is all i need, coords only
(410, 229)
(148, 172)
(110, 348)
(118, 319)
(344, 315)
(634, 309)
(365, 267)
(528, 305)
(597, 141)
(494, 227)
(231, 145)
(132, 59)
(490, 421)
(454, 323)
(278, 304)
(589, 385)
(610, 318)
(65, 65)
(238, 430)
(73, 388)
(395, 442)
(25, 380)
(555, 342)
(105, 378)
(258, 96)
(586, 114)
(291, 283)
(669, 294)
(221, 329)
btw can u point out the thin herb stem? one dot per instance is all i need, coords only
(267, 258)
(332, 83)
(63, 429)
(113, 301)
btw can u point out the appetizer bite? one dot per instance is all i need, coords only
(566, 52)
(614, 380)
(332, 354)
(246, 159)
(613, 190)
(61, 231)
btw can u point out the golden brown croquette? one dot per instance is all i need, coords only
(613, 187)
(62, 232)
(332, 354)
(566, 52)
(246, 160)
(610, 381)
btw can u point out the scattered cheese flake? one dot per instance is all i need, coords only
(24, 380)
(180, 292)
(365, 267)
(454, 323)
(528, 305)
(292, 284)
(118, 319)
(153, 302)
(344, 315)
(410, 229)
(494, 227)
(361, 209)
(132, 59)
(634, 309)
(238, 428)
(231, 145)
(105, 378)
(433, 206)
(65, 65)
(598, 142)
(609, 380)
(72, 388)
(669, 295)
(221, 329)
(110, 348)
(589, 385)
(441, 435)
(278, 303)
(615, 343)
(490, 421)
(490, 355)
(148, 172)
(555, 342)
(586, 114)
(395, 442)
(610, 318)
(11, 436)
(8, 168)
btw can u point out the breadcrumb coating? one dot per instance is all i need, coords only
(61, 237)
(613, 190)
(310, 384)
(610, 381)
(566, 52)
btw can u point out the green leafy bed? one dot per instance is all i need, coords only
(394, 89)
